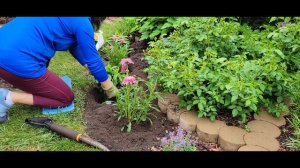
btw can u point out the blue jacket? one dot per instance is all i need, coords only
(27, 43)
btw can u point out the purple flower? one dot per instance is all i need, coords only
(164, 141)
(178, 140)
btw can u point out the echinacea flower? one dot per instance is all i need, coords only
(129, 80)
(126, 61)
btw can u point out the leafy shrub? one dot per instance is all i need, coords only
(151, 28)
(218, 64)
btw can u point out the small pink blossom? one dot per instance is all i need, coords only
(123, 68)
(129, 80)
(126, 61)
(122, 41)
(114, 37)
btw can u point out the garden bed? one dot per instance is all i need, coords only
(102, 123)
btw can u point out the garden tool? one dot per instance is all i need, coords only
(48, 123)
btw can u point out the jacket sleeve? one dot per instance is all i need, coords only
(85, 51)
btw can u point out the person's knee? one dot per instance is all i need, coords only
(69, 98)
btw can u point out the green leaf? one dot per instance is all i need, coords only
(235, 112)
(221, 59)
(199, 93)
(166, 25)
(234, 98)
(180, 93)
(200, 106)
(273, 19)
(200, 114)
(262, 87)
(227, 100)
(212, 118)
(232, 106)
(154, 34)
(129, 127)
(279, 53)
(295, 47)
(270, 35)
(248, 102)
(195, 102)
(228, 86)
(253, 107)
(279, 99)
(189, 107)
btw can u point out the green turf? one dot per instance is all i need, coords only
(121, 26)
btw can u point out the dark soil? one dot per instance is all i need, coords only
(102, 122)
(103, 126)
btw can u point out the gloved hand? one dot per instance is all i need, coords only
(100, 40)
(111, 92)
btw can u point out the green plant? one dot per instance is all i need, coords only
(134, 103)
(294, 118)
(216, 64)
(294, 142)
(154, 27)
(115, 49)
(114, 74)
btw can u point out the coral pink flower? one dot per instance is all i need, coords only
(126, 61)
(123, 68)
(129, 80)
(114, 37)
(122, 41)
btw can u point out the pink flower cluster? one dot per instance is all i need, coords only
(129, 80)
(116, 38)
(124, 62)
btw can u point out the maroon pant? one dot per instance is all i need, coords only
(48, 90)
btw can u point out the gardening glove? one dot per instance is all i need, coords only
(100, 40)
(111, 92)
